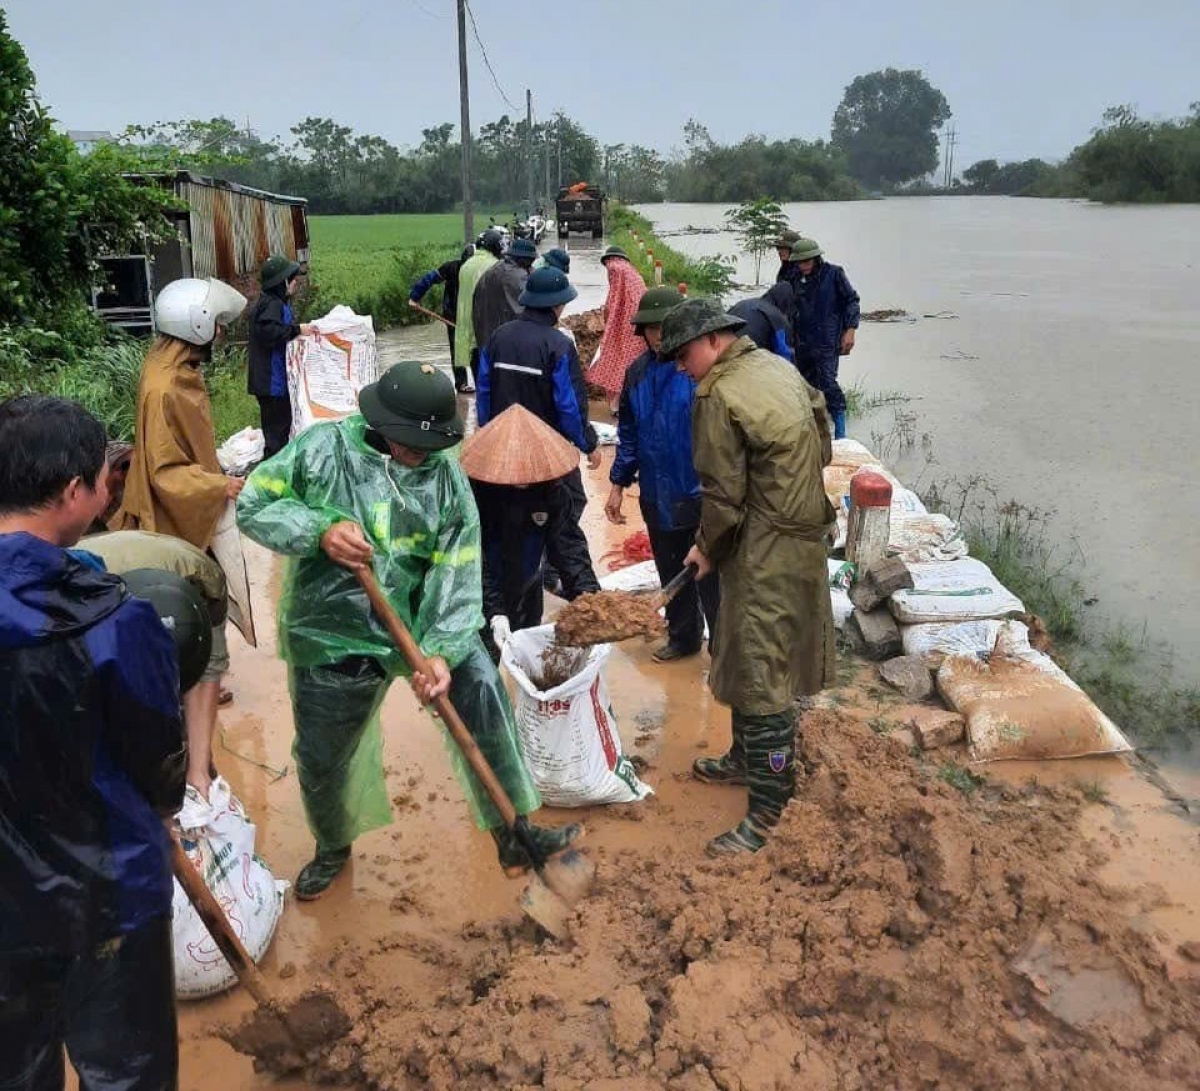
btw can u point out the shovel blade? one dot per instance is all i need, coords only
(551, 896)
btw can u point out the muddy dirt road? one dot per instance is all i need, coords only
(453, 989)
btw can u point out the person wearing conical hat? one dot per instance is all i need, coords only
(654, 448)
(382, 488)
(518, 465)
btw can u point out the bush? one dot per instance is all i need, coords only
(704, 276)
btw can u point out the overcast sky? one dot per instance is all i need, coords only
(1023, 77)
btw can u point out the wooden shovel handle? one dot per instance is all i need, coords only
(459, 732)
(432, 314)
(213, 916)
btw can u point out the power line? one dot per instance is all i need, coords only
(432, 14)
(487, 61)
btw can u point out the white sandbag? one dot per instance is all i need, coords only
(606, 434)
(242, 451)
(849, 452)
(841, 575)
(906, 503)
(936, 640)
(923, 537)
(219, 841)
(326, 373)
(642, 576)
(1020, 705)
(962, 590)
(568, 733)
(226, 548)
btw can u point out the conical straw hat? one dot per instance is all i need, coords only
(518, 448)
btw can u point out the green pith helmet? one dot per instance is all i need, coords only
(787, 239)
(654, 306)
(803, 249)
(184, 615)
(413, 404)
(276, 269)
(691, 319)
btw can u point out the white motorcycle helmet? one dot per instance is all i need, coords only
(192, 309)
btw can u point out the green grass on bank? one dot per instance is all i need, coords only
(705, 276)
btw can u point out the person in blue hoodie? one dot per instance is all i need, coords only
(91, 762)
(654, 448)
(272, 325)
(767, 321)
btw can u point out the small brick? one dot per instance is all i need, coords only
(876, 633)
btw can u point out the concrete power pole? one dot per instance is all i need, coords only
(529, 146)
(465, 125)
(558, 145)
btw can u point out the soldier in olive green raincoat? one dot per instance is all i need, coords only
(760, 438)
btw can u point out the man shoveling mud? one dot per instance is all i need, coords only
(382, 489)
(758, 448)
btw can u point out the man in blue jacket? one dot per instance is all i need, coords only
(824, 320)
(272, 326)
(654, 448)
(529, 362)
(767, 321)
(91, 761)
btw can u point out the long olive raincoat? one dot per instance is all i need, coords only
(175, 484)
(759, 441)
(464, 321)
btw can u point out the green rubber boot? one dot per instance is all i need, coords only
(770, 743)
(316, 876)
(729, 768)
(550, 840)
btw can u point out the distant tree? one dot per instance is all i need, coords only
(980, 176)
(758, 224)
(887, 126)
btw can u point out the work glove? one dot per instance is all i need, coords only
(501, 630)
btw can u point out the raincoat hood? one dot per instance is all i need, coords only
(47, 594)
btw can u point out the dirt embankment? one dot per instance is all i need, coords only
(894, 933)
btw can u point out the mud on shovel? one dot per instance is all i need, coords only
(559, 882)
(619, 629)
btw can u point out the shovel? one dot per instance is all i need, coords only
(558, 883)
(432, 314)
(655, 599)
(324, 1019)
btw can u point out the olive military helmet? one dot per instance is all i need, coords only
(691, 319)
(413, 404)
(803, 249)
(276, 270)
(184, 615)
(654, 307)
(787, 239)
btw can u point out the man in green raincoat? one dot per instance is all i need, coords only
(382, 488)
(760, 438)
(487, 252)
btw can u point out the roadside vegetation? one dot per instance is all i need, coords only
(703, 276)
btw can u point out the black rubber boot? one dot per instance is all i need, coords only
(551, 840)
(317, 875)
(771, 773)
(669, 652)
(729, 768)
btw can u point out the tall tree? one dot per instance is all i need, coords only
(887, 126)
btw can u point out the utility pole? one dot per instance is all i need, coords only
(465, 125)
(558, 142)
(546, 149)
(951, 140)
(529, 146)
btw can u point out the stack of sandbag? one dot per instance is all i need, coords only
(326, 372)
(934, 641)
(1019, 705)
(568, 729)
(218, 839)
(962, 590)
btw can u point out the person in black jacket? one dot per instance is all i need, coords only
(767, 321)
(91, 761)
(446, 275)
(272, 326)
(530, 362)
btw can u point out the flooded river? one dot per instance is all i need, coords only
(1069, 378)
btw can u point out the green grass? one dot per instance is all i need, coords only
(860, 401)
(959, 777)
(232, 408)
(706, 276)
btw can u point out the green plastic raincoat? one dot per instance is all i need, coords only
(464, 321)
(424, 527)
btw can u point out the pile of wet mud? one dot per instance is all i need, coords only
(559, 664)
(894, 933)
(588, 328)
(603, 616)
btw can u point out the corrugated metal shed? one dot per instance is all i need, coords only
(234, 229)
